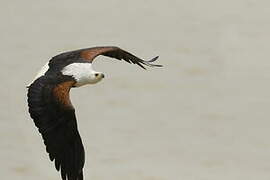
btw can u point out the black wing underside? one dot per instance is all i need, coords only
(58, 127)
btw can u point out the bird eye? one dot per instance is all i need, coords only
(96, 74)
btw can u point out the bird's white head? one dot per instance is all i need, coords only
(83, 73)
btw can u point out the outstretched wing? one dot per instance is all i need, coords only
(53, 114)
(117, 53)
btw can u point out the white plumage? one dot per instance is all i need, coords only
(83, 73)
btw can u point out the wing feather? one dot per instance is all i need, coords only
(115, 52)
(50, 108)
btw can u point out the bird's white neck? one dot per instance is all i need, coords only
(83, 73)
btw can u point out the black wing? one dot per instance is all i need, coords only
(53, 114)
(117, 53)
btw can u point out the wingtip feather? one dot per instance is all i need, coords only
(149, 63)
(154, 59)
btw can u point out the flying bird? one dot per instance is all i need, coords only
(52, 111)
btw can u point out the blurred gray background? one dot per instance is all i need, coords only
(204, 116)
